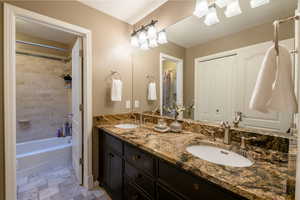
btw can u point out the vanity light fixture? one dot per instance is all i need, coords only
(145, 45)
(257, 3)
(207, 8)
(152, 33)
(147, 37)
(233, 8)
(221, 3)
(162, 37)
(153, 43)
(142, 37)
(201, 8)
(135, 41)
(211, 17)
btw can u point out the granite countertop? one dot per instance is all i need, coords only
(263, 180)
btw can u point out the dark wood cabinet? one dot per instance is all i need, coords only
(113, 172)
(164, 194)
(129, 173)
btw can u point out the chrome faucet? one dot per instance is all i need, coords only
(227, 135)
(237, 119)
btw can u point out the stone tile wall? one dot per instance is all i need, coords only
(42, 99)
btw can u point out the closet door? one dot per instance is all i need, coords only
(213, 87)
(250, 60)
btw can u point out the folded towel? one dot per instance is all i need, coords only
(152, 92)
(116, 90)
(274, 89)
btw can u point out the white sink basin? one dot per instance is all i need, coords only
(126, 126)
(219, 156)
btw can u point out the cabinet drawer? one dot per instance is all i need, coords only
(190, 186)
(113, 143)
(164, 194)
(132, 193)
(140, 179)
(139, 159)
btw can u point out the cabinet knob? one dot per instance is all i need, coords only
(136, 157)
(196, 186)
(111, 155)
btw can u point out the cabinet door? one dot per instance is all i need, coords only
(113, 178)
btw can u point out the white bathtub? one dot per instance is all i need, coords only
(38, 155)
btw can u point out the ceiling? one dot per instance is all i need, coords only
(130, 11)
(44, 32)
(192, 30)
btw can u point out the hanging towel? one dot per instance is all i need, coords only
(274, 89)
(116, 90)
(152, 92)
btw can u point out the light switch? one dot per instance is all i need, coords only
(128, 104)
(136, 103)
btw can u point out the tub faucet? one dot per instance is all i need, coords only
(227, 134)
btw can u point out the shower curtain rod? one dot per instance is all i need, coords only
(43, 56)
(41, 45)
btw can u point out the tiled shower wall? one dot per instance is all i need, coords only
(43, 102)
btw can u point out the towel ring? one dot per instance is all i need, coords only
(115, 74)
(151, 78)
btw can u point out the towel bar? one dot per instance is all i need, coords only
(276, 32)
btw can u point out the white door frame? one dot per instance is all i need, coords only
(297, 116)
(179, 77)
(10, 15)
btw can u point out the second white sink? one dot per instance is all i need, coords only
(219, 156)
(126, 126)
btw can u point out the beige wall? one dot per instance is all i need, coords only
(110, 42)
(169, 13)
(111, 50)
(2, 174)
(254, 35)
(147, 63)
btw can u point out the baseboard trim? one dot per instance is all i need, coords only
(89, 180)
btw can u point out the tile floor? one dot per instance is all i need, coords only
(55, 184)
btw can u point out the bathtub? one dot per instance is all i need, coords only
(38, 155)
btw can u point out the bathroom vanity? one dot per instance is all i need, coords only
(140, 163)
(129, 172)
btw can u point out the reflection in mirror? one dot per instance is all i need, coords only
(220, 66)
(171, 84)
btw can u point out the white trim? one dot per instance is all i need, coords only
(297, 118)
(10, 15)
(179, 76)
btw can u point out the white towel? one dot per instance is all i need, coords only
(152, 92)
(116, 90)
(274, 89)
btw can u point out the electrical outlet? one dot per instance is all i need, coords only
(136, 103)
(128, 104)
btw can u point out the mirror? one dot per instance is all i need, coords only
(212, 69)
